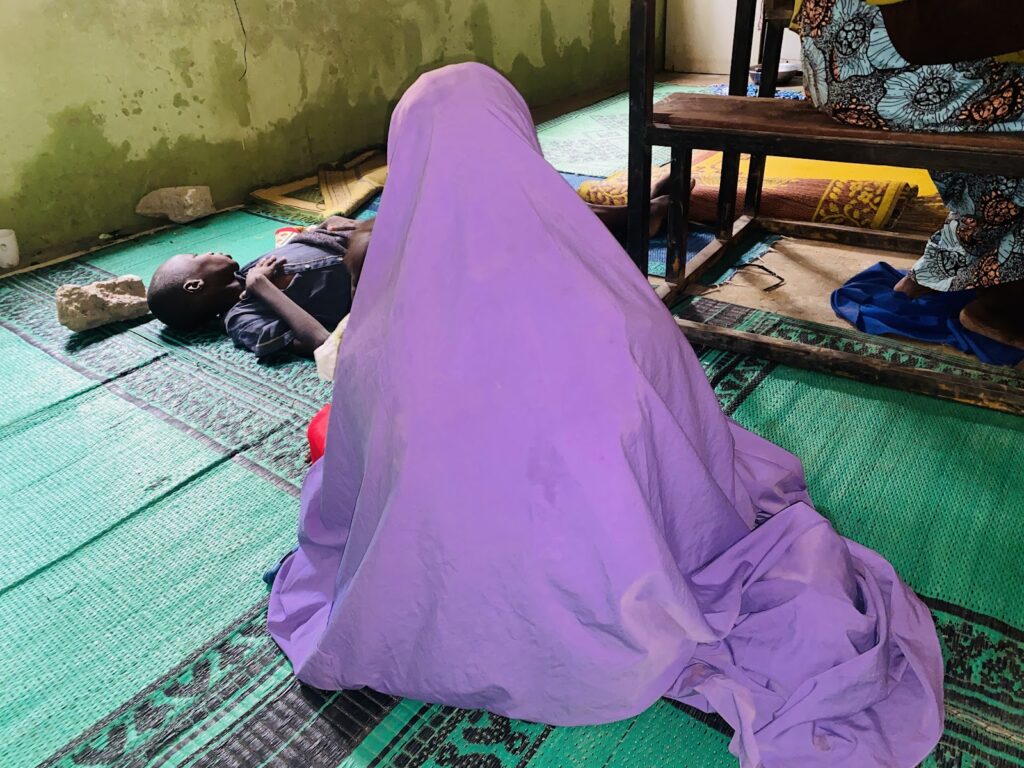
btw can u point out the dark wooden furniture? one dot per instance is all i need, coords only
(796, 129)
(762, 126)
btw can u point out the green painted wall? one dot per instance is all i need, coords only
(104, 102)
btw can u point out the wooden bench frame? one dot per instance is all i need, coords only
(647, 129)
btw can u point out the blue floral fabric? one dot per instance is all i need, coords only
(853, 72)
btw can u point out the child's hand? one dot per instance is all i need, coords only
(264, 269)
(339, 224)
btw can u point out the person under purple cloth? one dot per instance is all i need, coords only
(531, 502)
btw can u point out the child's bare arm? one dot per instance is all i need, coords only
(309, 333)
(358, 243)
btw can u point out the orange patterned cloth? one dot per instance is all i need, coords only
(865, 203)
(614, 190)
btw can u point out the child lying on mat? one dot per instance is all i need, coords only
(290, 298)
(285, 300)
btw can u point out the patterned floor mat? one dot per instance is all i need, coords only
(156, 475)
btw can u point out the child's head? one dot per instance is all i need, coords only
(190, 289)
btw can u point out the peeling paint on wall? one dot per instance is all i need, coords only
(142, 95)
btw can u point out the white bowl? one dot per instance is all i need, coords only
(787, 73)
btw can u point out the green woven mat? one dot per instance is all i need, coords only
(122, 554)
(594, 141)
(156, 476)
(149, 478)
(934, 485)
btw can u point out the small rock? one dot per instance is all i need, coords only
(81, 307)
(8, 249)
(179, 204)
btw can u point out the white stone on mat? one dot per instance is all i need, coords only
(81, 307)
(179, 204)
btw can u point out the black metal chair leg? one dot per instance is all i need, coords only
(774, 32)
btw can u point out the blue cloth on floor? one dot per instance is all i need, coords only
(723, 90)
(871, 304)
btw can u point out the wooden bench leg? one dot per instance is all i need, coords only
(678, 213)
(773, 35)
(641, 104)
(742, 46)
(721, 249)
(881, 240)
(997, 397)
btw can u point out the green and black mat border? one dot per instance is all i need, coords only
(892, 350)
(146, 730)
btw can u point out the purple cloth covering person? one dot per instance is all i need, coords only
(531, 502)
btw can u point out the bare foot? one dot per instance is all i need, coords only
(912, 289)
(659, 187)
(659, 210)
(996, 314)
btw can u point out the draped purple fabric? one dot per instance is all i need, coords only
(531, 502)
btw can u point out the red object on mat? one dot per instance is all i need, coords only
(317, 433)
(284, 234)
